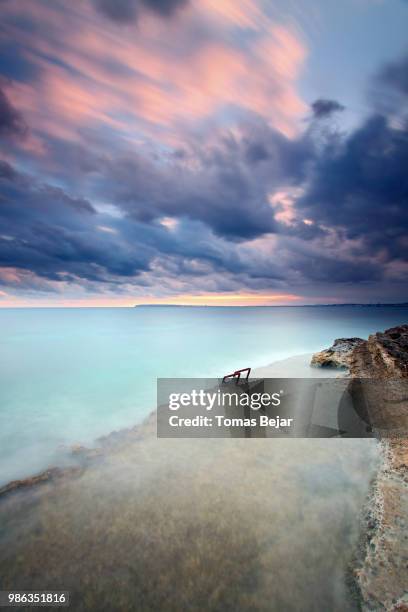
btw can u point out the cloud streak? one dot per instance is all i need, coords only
(11, 120)
(125, 11)
(140, 82)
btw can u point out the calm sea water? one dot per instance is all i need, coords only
(70, 375)
(224, 524)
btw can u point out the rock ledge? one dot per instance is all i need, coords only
(382, 574)
(338, 355)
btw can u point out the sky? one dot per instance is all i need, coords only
(216, 152)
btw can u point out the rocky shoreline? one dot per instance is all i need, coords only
(381, 568)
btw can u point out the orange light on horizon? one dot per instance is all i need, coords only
(212, 299)
(226, 299)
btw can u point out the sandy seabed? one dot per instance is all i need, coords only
(173, 525)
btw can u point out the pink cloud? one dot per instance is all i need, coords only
(9, 275)
(158, 74)
(283, 203)
(244, 14)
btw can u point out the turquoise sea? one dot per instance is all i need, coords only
(68, 376)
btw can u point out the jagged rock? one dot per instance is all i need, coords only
(383, 570)
(383, 355)
(338, 355)
(382, 574)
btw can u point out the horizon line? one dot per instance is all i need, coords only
(170, 305)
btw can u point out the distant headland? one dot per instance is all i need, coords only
(372, 305)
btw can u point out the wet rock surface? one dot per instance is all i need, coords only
(47, 476)
(382, 574)
(338, 355)
(383, 355)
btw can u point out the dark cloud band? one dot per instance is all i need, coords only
(11, 120)
(125, 11)
(322, 108)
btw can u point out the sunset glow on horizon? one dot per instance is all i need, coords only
(245, 299)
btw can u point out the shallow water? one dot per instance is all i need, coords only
(70, 375)
(172, 525)
(217, 525)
